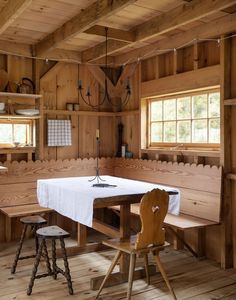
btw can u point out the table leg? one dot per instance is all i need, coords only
(8, 228)
(81, 234)
(124, 233)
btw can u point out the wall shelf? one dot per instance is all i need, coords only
(205, 153)
(19, 95)
(90, 113)
(178, 155)
(8, 116)
(18, 150)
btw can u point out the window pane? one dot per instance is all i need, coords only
(200, 106)
(156, 111)
(184, 131)
(20, 133)
(199, 131)
(214, 105)
(170, 109)
(6, 133)
(169, 131)
(214, 131)
(156, 132)
(183, 108)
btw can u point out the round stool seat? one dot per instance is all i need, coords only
(52, 232)
(33, 220)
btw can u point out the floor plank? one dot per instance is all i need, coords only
(191, 279)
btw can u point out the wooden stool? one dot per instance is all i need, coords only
(35, 222)
(51, 233)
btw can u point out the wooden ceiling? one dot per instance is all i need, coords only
(73, 30)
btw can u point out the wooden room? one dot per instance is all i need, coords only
(117, 149)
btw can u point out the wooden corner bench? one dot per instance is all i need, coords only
(20, 211)
(200, 191)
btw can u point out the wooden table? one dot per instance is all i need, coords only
(124, 201)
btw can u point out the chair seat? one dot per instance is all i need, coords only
(128, 245)
(52, 232)
(32, 220)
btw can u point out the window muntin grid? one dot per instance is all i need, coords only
(185, 119)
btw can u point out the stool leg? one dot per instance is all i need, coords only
(35, 268)
(67, 270)
(35, 227)
(46, 256)
(54, 259)
(18, 251)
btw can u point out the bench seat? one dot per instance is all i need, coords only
(177, 223)
(20, 211)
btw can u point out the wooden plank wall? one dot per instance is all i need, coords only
(230, 142)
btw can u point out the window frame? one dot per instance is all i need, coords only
(177, 145)
(31, 134)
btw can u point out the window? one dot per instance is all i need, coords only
(16, 131)
(185, 119)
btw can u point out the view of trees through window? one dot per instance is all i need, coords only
(15, 132)
(185, 118)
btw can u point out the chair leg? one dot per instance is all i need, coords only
(112, 266)
(146, 268)
(13, 269)
(131, 274)
(163, 273)
(67, 270)
(35, 268)
(54, 258)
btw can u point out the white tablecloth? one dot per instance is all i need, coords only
(73, 196)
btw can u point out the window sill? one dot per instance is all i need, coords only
(182, 152)
(10, 152)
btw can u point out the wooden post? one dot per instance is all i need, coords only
(225, 155)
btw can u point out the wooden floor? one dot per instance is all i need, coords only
(190, 278)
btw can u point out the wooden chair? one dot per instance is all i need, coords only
(151, 238)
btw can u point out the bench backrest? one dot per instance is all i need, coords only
(200, 186)
(18, 186)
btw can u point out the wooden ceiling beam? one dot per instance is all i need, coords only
(84, 20)
(25, 50)
(13, 48)
(164, 23)
(11, 11)
(62, 55)
(220, 26)
(112, 33)
(100, 50)
(179, 16)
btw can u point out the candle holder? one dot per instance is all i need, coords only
(97, 176)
